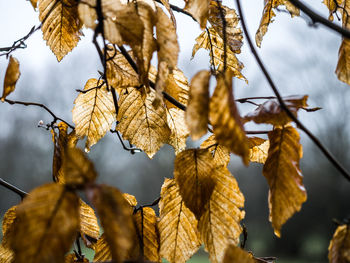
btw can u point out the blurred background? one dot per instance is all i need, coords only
(301, 60)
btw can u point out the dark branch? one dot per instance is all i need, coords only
(155, 202)
(224, 37)
(178, 9)
(13, 188)
(132, 150)
(329, 156)
(55, 118)
(256, 132)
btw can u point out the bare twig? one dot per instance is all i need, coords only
(256, 132)
(329, 156)
(13, 188)
(132, 150)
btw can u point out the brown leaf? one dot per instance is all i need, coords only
(268, 14)
(339, 247)
(225, 118)
(178, 128)
(258, 149)
(7, 221)
(193, 173)
(131, 199)
(179, 237)
(102, 250)
(88, 223)
(271, 112)
(60, 25)
(221, 154)
(34, 3)
(168, 8)
(93, 112)
(236, 254)
(220, 223)
(78, 170)
(146, 223)
(6, 254)
(197, 110)
(215, 45)
(11, 77)
(47, 224)
(116, 219)
(332, 7)
(281, 169)
(199, 9)
(140, 123)
(72, 258)
(8, 225)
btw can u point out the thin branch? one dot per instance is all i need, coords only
(132, 150)
(155, 202)
(316, 18)
(329, 156)
(55, 118)
(13, 188)
(178, 9)
(256, 132)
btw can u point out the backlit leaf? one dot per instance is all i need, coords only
(6, 254)
(203, 41)
(332, 7)
(102, 250)
(236, 254)
(49, 215)
(268, 14)
(178, 128)
(339, 247)
(11, 77)
(116, 219)
(199, 9)
(197, 111)
(179, 238)
(281, 169)
(193, 173)
(221, 154)
(146, 223)
(60, 25)
(140, 123)
(225, 118)
(88, 222)
(271, 112)
(220, 226)
(8, 225)
(131, 199)
(258, 149)
(93, 112)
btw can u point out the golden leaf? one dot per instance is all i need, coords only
(268, 14)
(271, 112)
(102, 250)
(197, 110)
(233, 32)
(131, 199)
(8, 225)
(78, 170)
(146, 223)
(281, 169)
(220, 223)
(339, 247)
(49, 215)
(221, 154)
(72, 258)
(179, 238)
(179, 130)
(199, 9)
(203, 41)
(8, 220)
(34, 3)
(11, 77)
(236, 254)
(116, 219)
(93, 112)
(88, 223)
(193, 172)
(258, 149)
(332, 6)
(60, 25)
(6, 254)
(140, 123)
(225, 118)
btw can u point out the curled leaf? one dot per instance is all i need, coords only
(339, 247)
(199, 9)
(11, 77)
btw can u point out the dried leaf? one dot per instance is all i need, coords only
(179, 130)
(140, 123)
(11, 77)
(271, 112)
(193, 173)
(234, 37)
(236, 254)
(332, 7)
(102, 250)
(6, 254)
(34, 3)
(215, 45)
(258, 149)
(225, 118)
(49, 215)
(78, 170)
(146, 223)
(60, 25)
(116, 218)
(199, 9)
(131, 199)
(179, 238)
(72, 258)
(8, 220)
(220, 223)
(281, 169)
(268, 14)
(8, 225)
(93, 112)
(221, 154)
(197, 110)
(168, 8)
(339, 247)
(88, 222)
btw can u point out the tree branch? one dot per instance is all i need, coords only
(323, 149)
(55, 118)
(178, 9)
(13, 188)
